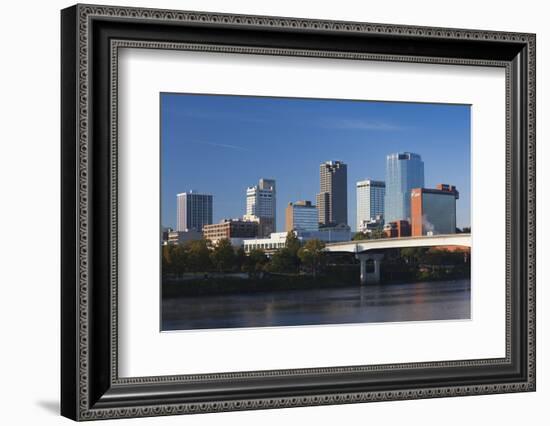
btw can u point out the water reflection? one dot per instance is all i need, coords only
(422, 301)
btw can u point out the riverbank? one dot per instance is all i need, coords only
(219, 284)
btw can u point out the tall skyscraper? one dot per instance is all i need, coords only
(301, 216)
(404, 171)
(261, 204)
(194, 211)
(370, 200)
(332, 200)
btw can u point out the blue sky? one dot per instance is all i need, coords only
(219, 145)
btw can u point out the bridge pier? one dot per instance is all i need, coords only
(369, 277)
(361, 248)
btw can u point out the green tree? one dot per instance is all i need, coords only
(292, 243)
(413, 254)
(377, 234)
(254, 262)
(199, 256)
(167, 260)
(223, 255)
(374, 234)
(180, 258)
(312, 255)
(282, 261)
(359, 236)
(174, 259)
(240, 259)
(443, 257)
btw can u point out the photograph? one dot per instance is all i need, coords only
(267, 209)
(279, 212)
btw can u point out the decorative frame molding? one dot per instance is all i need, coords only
(91, 388)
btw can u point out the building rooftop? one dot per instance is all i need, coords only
(442, 189)
(302, 203)
(404, 155)
(192, 191)
(372, 182)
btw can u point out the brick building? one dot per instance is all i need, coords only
(433, 211)
(230, 228)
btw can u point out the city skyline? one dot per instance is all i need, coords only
(206, 148)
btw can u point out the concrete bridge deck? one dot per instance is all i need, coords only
(363, 249)
(386, 243)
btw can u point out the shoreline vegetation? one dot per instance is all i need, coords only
(199, 269)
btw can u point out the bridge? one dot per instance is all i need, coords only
(363, 248)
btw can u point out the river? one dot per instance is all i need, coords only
(422, 301)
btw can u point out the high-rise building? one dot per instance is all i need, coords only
(194, 211)
(370, 201)
(332, 199)
(261, 203)
(301, 216)
(433, 210)
(404, 171)
(323, 208)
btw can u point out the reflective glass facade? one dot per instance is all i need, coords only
(404, 171)
(301, 216)
(434, 210)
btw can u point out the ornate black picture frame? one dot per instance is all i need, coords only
(91, 387)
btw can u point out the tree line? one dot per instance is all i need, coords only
(203, 256)
(424, 264)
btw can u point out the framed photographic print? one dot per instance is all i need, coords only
(263, 212)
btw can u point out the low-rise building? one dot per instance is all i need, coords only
(397, 229)
(232, 229)
(265, 224)
(181, 237)
(367, 226)
(277, 240)
(165, 232)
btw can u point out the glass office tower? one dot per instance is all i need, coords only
(404, 171)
